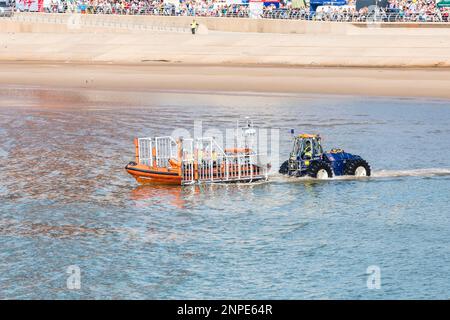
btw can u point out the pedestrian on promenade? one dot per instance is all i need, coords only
(194, 26)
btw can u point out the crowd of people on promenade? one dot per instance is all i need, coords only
(396, 10)
(422, 9)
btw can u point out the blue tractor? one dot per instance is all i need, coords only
(307, 158)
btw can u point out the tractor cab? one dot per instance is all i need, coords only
(306, 148)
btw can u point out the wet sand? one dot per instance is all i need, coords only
(403, 82)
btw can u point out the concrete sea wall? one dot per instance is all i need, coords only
(143, 39)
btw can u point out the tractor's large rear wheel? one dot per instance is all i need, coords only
(357, 168)
(320, 170)
(284, 167)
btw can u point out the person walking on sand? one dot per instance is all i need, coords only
(194, 26)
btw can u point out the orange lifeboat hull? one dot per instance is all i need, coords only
(147, 175)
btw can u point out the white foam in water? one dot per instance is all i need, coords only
(428, 172)
(412, 173)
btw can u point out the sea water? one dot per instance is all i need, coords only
(74, 224)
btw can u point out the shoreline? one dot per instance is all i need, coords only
(373, 82)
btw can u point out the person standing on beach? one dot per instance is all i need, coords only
(194, 26)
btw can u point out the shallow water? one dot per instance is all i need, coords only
(65, 200)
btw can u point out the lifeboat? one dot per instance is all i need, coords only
(164, 160)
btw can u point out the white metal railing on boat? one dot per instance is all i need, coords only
(204, 160)
(210, 163)
(187, 161)
(157, 150)
(145, 151)
(165, 149)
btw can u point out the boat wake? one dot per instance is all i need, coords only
(428, 172)
(376, 175)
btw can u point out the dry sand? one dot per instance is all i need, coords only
(433, 83)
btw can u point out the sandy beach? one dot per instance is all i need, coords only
(433, 83)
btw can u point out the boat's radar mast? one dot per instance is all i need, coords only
(246, 135)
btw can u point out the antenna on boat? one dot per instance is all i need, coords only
(236, 135)
(249, 134)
